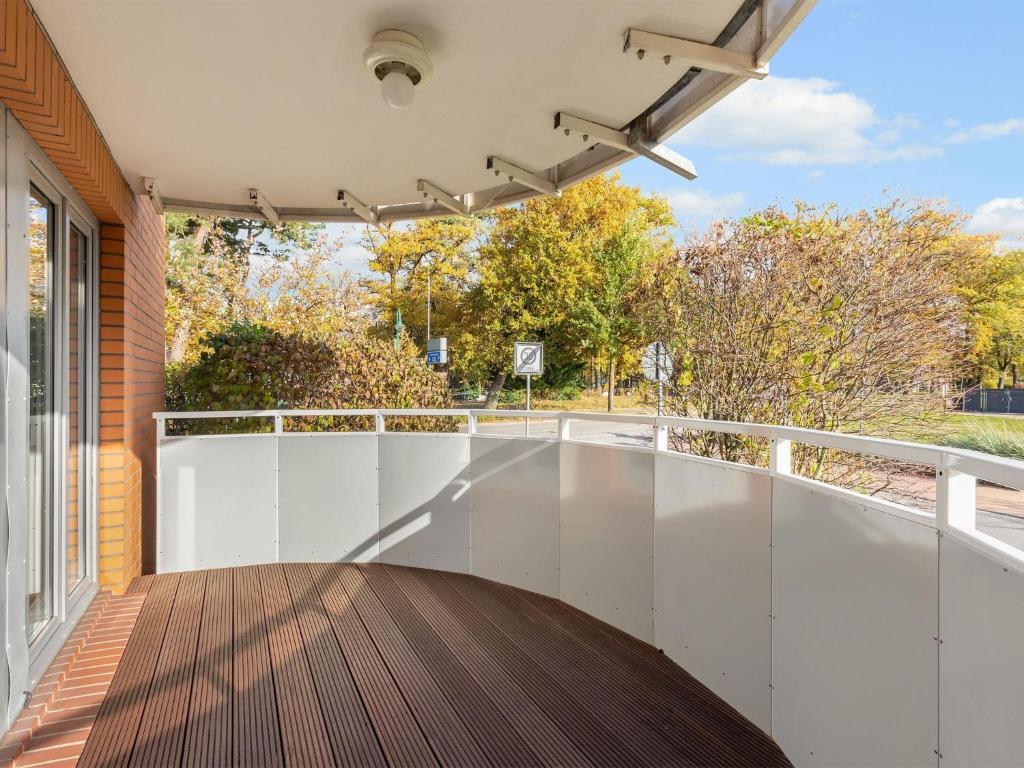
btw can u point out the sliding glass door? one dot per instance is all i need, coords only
(50, 400)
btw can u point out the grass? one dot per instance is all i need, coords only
(998, 435)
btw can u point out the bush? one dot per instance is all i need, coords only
(250, 367)
(1000, 442)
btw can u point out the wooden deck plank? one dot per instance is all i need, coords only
(647, 730)
(551, 745)
(208, 730)
(160, 738)
(631, 659)
(638, 704)
(256, 735)
(400, 736)
(502, 744)
(591, 735)
(348, 727)
(117, 723)
(449, 738)
(303, 730)
(380, 665)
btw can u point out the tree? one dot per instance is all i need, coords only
(997, 320)
(404, 255)
(208, 269)
(818, 320)
(544, 270)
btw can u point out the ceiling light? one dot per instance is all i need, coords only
(400, 62)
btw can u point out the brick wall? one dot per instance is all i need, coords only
(131, 389)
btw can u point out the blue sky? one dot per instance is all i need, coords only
(920, 98)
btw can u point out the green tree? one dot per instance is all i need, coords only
(815, 319)
(209, 262)
(539, 263)
(404, 255)
(997, 321)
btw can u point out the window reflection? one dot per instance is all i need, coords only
(40, 550)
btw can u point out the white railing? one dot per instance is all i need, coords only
(956, 470)
(795, 600)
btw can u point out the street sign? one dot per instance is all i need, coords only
(529, 358)
(657, 362)
(437, 351)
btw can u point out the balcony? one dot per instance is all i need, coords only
(484, 597)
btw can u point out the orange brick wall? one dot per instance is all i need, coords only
(131, 389)
(39, 92)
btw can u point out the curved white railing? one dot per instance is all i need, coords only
(955, 469)
(853, 629)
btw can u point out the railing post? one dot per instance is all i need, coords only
(379, 421)
(278, 424)
(660, 437)
(563, 427)
(161, 430)
(955, 498)
(780, 456)
(471, 425)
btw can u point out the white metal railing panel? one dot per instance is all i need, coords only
(217, 502)
(854, 635)
(713, 578)
(607, 534)
(515, 505)
(981, 624)
(327, 497)
(424, 500)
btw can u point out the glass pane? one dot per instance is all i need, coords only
(40, 528)
(76, 448)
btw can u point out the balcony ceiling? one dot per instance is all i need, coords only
(212, 99)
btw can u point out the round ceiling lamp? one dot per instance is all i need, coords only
(400, 62)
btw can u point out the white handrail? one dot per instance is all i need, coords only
(995, 469)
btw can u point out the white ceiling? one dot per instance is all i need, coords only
(212, 98)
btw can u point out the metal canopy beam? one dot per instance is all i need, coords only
(666, 157)
(364, 212)
(700, 55)
(441, 197)
(527, 179)
(659, 153)
(263, 205)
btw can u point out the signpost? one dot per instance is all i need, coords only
(657, 365)
(437, 351)
(529, 362)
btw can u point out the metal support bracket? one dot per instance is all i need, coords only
(364, 212)
(154, 193)
(603, 134)
(441, 197)
(524, 177)
(695, 54)
(258, 201)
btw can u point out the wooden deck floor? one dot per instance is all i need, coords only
(374, 665)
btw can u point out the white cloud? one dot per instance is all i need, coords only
(698, 203)
(986, 131)
(799, 121)
(1003, 216)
